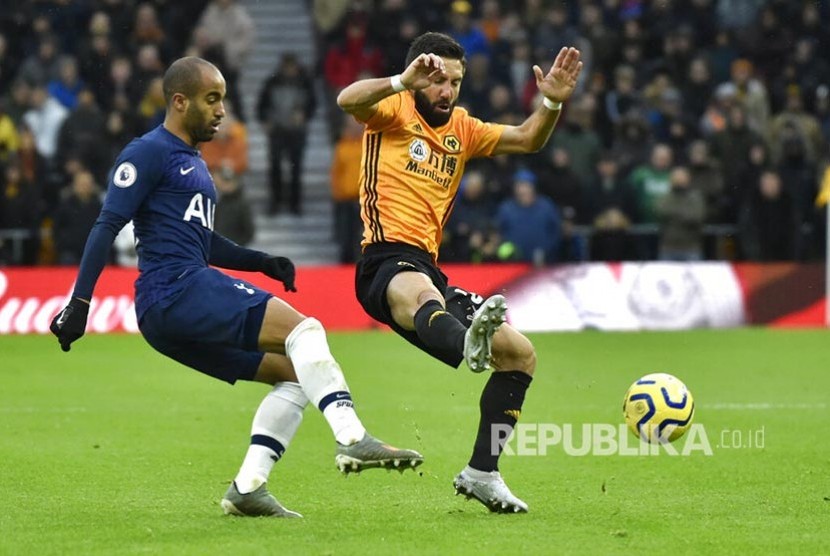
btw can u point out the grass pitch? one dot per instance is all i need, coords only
(114, 449)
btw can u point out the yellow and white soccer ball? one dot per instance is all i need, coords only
(658, 408)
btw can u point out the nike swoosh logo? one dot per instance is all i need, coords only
(184, 172)
(61, 319)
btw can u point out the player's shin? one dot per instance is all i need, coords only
(500, 404)
(322, 380)
(439, 329)
(275, 423)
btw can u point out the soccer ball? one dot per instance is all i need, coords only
(658, 408)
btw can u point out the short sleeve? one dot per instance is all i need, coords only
(482, 137)
(136, 173)
(389, 114)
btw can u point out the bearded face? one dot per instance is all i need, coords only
(436, 103)
(435, 114)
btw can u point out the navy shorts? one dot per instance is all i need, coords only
(376, 268)
(212, 326)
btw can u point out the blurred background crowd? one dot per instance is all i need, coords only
(699, 130)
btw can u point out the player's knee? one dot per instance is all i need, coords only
(517, 355)
(308, 341)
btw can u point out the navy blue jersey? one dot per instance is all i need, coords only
(164, 186)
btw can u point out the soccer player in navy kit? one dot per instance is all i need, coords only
(195, 314)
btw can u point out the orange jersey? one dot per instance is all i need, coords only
(410, 171)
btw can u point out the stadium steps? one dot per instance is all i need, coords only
(284, 26)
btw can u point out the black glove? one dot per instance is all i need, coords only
(282, 269)
(70, 324)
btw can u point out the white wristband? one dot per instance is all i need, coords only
(550, 105)
(397, 84)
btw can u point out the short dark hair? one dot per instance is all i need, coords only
(436, 43)
(184, 76)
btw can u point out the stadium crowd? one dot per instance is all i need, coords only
(700, 128)
(79, 80)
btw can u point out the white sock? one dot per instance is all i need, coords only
(322, 380)
(275, 423)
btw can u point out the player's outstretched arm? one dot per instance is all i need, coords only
(70, 323)
(556, 86)
(361, 97)
(224, 253)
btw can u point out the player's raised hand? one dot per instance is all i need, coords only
(560, 81)
(282, 269)
(70, 324)
(421, 72)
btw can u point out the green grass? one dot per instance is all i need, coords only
(113, 449)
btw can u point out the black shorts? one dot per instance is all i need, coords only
(376, 268)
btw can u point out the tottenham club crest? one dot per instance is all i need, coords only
(418, 150)
(124, 175)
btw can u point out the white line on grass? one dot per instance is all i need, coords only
(762, 406)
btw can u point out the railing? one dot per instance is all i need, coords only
(15, 236)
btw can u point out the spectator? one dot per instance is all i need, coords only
(122, 126)
(681, 212)
(38, 69)
(651, 182)
(502, 107)
(797, 172)
(68, 84)
(529, 225)
(794, 120)
(697, 88)
(608, 207)
(705, 176)
(233, 213)
(475, 94)
(623, 97)
(520, 72)
(228, 24)
(83, 133)
(670, 123)
(152, 105)
(148, 67)
(74, 218)
(632, 142)
(751, 93)
(731, 147)
(345, 189)
(555, 32)
(120, 87)
(558, 182)
(721, 55)
(577, 136)
(768, 222)
(95, 57)
(20, 209)
(469, 36)
(603, 38)
(229, 147)
(470, 232)
(286, 104)
(17, 103)
(33, 167)
(350, 56)
(147, 30)
(8, 65)
(9, 138)
(45, 118)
